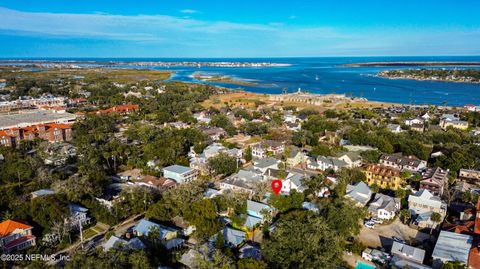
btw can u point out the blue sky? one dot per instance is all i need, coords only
(247, 28)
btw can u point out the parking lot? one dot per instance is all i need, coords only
(381, 235)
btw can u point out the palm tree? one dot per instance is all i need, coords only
(435, 218)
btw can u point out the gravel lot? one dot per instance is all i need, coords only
(381, 236)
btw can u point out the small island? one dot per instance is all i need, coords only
(222, 79)
(449, 75)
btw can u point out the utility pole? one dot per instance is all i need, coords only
(81, 232)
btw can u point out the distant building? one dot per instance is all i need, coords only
(15, 236)
(422, 204)
(434, 180)
(394, 128)
(244, 181)
(383, 176)
(449, 120)
(144, 227)
(471, 176)
(360, 193)
(78, 216)
(384, 206)
(266, 148)
(120, 109)
(451, 247)
(326, 163)
(181, 174)
(401, 162)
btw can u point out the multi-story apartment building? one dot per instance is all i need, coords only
(383, 176)
(181, 174)
(401, 162)
(434, 180)
(472, 176)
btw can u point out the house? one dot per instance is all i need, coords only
(214, 133)
(371, 255)
(326, 163)
(144, 227)
(15, 236)
(312, 164)
(42, 192)
(295, 157)
(384, 206)
(266, 148)
(256, 209)
(295, 127)
(293, 181)
(451, 247)
(411, 122)
(311, 207)
(360, 193)
(153, 182)
(116, 242)
(202, 117)
(434, 180)
(233, 238)
(422, 204)
(263, 165)
(330, 137)
(383, 176)
(450, 120)
(418, 128)
(244, 181)
(394, 128)
(181, 174)
(78, 216)
(471, 176)
(200, 162)
(250, 250)
(351, 158)
(407, 252)
(400, 162)
(120, 109)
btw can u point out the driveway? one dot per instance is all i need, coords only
(381, 236)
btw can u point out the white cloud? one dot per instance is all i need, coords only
(189, 11)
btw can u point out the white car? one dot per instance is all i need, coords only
(377, 221)
(369, 224)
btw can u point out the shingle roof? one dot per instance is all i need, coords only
(408, 252)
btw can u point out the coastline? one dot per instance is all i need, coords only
(389, 64)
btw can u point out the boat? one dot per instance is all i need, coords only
(316, 77)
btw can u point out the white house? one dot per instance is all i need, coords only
(384, 206)
(293, 182)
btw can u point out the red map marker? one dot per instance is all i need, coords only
(276, 186)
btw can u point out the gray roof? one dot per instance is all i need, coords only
(233, 237)
(33, 118)
(179, 169)
(408, 252)
(265, 162)
(359, 192)
(297, 179)
(42, 192)
(382, 201)
(244, 179)
(250, 251)
(256, 206)
(452, 247)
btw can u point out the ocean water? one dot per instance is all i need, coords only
(327, 75)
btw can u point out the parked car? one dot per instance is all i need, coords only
(377, 221)
(398, 239)
(369, 224)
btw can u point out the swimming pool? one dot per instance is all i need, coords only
(362, 265)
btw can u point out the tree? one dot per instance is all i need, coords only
(300, 240)
(250, 263)
(220, 242)
(341, 217)
(45, 210)
(223, 164)
(405, 215)
(400, 193)
(284, 203)
(203, 215)
(248, 154)
(454, 265)
(435, 218)
(375, 188)
(371, 156)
